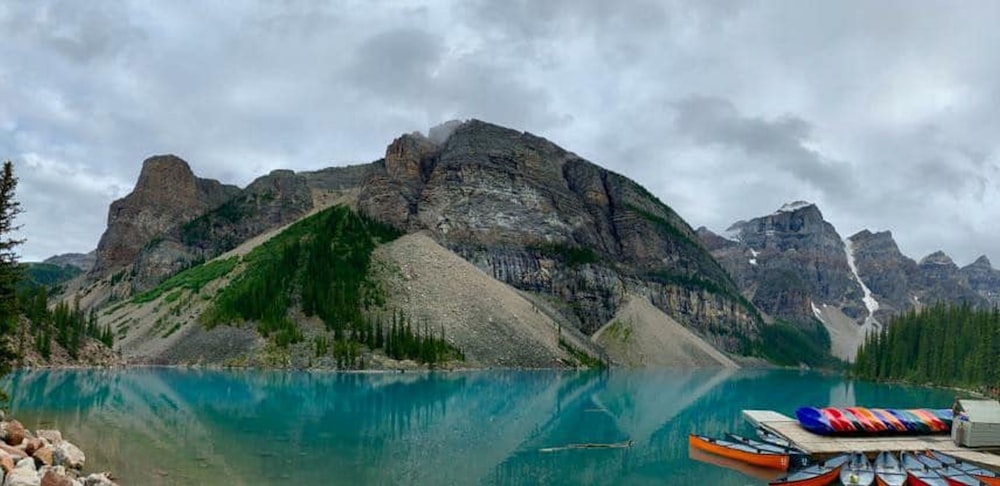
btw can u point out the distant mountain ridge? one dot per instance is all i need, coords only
(794, 266)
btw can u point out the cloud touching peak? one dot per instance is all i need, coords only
(883, 114)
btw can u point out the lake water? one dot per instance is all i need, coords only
(172, 426)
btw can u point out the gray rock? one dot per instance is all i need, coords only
(53, 436)
(69, 455)
(98, 479)
(24, 474)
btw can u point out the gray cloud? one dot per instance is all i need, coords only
(883, 113)
(781, 143)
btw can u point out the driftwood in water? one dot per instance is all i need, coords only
(616, 445)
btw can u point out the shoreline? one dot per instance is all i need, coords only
(43, 457)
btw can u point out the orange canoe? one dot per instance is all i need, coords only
(741, 452)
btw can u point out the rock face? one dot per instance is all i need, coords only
(787, 261)
(891, 276)
(983, 279)
(166, 195)
(544, 220)
(173, 219)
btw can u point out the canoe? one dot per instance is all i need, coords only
(889, 419)
(954, 476)
(932, 420)
(919, 474)
(854, 425)
(813, 420)
(741, 452)
(858, 471)
(797, 458)
(888, 472)
(770, 437)
(958, 477)
(868, 419)
(815, 475)
(988, 477)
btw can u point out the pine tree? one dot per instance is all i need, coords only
(10, 271)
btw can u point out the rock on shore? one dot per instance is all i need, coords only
(42, 458)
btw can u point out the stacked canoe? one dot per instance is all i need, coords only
(873, 421)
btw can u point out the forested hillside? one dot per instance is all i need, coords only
(943, 344)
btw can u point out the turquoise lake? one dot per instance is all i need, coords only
(175, 426)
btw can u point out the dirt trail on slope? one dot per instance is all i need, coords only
(642, 335)
(488, 320)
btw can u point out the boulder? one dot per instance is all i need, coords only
(44, 455)
(14, 452)
(98, 479)
(32, 445)
(53, 436)
(52, 478)
(15, 433)
(6, 462)
(69, 455)
(24, 474)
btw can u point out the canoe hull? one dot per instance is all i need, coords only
(821, 480)
(773, 461)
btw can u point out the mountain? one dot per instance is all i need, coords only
(83, 261)
(166, 195)
(983, 279)
(794, 266)
(556, 245)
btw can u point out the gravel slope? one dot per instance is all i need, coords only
(642, 335)
(489, 321)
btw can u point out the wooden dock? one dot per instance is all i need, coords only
(822, 445)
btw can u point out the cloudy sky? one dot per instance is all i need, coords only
(886, 114)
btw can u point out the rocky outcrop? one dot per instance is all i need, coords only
(167, 195)
(788, 260)
(941, 281)
(544, 220)
(42, 459)
(891, 276)
(983, 279)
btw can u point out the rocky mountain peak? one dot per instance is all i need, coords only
(408, 157)
(167, 194)
(164, 173)
(982, 262)
(937, 258)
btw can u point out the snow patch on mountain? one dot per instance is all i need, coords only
(818, 313)
(870, 303)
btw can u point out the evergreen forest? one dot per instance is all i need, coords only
(943, 344)
(321, 265)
